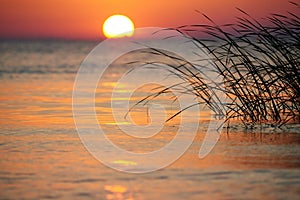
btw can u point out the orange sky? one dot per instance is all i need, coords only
(83, 19)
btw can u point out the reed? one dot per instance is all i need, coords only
(258, 62)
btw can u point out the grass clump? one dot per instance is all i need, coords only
(258, 62)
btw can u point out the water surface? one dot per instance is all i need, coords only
(42, 156)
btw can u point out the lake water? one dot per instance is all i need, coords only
(42, 156)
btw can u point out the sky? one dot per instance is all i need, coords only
(83, 19)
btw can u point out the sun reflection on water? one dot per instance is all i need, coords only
(117, 192)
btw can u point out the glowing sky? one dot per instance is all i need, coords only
(75, 19)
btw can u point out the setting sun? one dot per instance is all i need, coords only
(117, 26)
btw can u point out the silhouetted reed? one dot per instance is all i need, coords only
(258, 63)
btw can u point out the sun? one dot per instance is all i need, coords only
(117, 26)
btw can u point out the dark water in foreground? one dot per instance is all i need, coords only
(42, 156)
